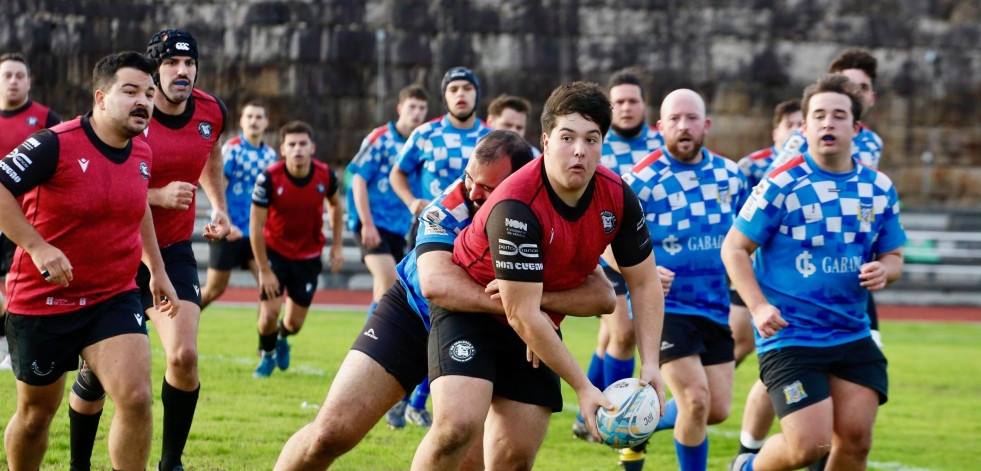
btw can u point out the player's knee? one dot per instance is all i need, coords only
(514, 457)
(719, 413)
(36, 418)
(453, 435)
(184, 360)
(330, 442)
(856, 443)
(135, 398)
(623, 339)
(696, 403)
(804, 454)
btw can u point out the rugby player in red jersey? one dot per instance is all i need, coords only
(82, 181)
(543, 229)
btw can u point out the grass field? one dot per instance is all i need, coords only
(932, 421)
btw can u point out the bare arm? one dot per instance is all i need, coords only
(736, 249)
(211, 182)
(450, 286)
(336, 214)
(647, 302)
(521, 302)
(880, 273)
(160, 285)
(268, 282)
(400, 183)
(369, 233)
(45, 256)
(595, 296)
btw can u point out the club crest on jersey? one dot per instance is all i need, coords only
(144, 170)
(724, 195)
(32, 120)
(321, 188)
(866, 213)
(609, 221)
(205, 130)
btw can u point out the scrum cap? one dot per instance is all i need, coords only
(460, 73)
(172, 42)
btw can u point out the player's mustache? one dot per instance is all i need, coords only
(141, 112)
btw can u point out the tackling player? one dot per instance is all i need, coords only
(287, 240)
(66, 299)
(19, 118)
(244, 157)
(543, 229)
(828, 232)
(183, 135)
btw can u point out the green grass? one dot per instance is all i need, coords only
(932, 421)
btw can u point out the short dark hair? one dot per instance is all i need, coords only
(253, 102)
(855, 59)
(413, 91)
(505, 101)
(833, 83)
(585, 98)
(783, 109)
(296, 127)
(626, 77)
(18, 57)
(498, 144)
(104, 72)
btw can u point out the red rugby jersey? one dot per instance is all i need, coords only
(16, 125)
(524, 232)
(294, 227)
(181, 146)
(88, 200)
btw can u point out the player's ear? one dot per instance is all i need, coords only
(100, 99)
(708, 123)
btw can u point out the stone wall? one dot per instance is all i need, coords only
(327, 62)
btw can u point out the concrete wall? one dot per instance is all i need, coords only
(319, 61)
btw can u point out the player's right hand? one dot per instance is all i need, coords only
(591, 399)
(370, 236)
(269, 283)
(176, 195)
(52, 261)
(234, 233)
(667, 277)
(418, 205)
(768, 320)
(165, 298)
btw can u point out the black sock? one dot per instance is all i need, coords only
(178, 412)
(83, 430)
(746, 449)
(283, 331)
(819, 465)
(267, 342)
(3, 324)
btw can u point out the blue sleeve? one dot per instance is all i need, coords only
(227, 160)
(409, 158)
(436, 225)
(742, 195)
(366, 163)
(891, 234)
(759, 219)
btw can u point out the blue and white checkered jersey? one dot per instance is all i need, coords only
(621, 154)
(438, 152)
(816, 229)
(689, 209)
(754, 165)
(866, 147)
(439, 223)
(374, 161)
(242, 165)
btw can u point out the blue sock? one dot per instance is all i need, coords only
(748, 466)
(420, 395)
(692, 458)
(371, 309)
(670, 414)
(595, 375)
(615, 369)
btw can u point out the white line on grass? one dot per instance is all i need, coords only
(299, 369)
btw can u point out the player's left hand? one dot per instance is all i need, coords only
(336, 259)
(591, 399)
(219, 226)
(164, 296)
(667, 277)
(874, 276)
(651, 374)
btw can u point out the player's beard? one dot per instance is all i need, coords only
(130, 130)
(464, 116)
(686, 156)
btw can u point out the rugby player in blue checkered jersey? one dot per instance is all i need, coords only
(438, 151)
(244, 157)
(825, 232)
(691, 196)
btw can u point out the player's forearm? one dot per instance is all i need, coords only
(450, 286)
(15, 225)
(359, 188)
(155, 196)
(740, 269)
(211, 182)
(400, 184)
(256, 238)
(151, 251)
(593, 297)
(893, 264)
(533, 327)
(647, 303)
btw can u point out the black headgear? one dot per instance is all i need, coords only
(460, 73)
(170, 43)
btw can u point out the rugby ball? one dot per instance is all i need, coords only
(635, 416)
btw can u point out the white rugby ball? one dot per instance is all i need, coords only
(635, 416)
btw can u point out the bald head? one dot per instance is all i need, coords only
(684, 100)
(683, 125)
